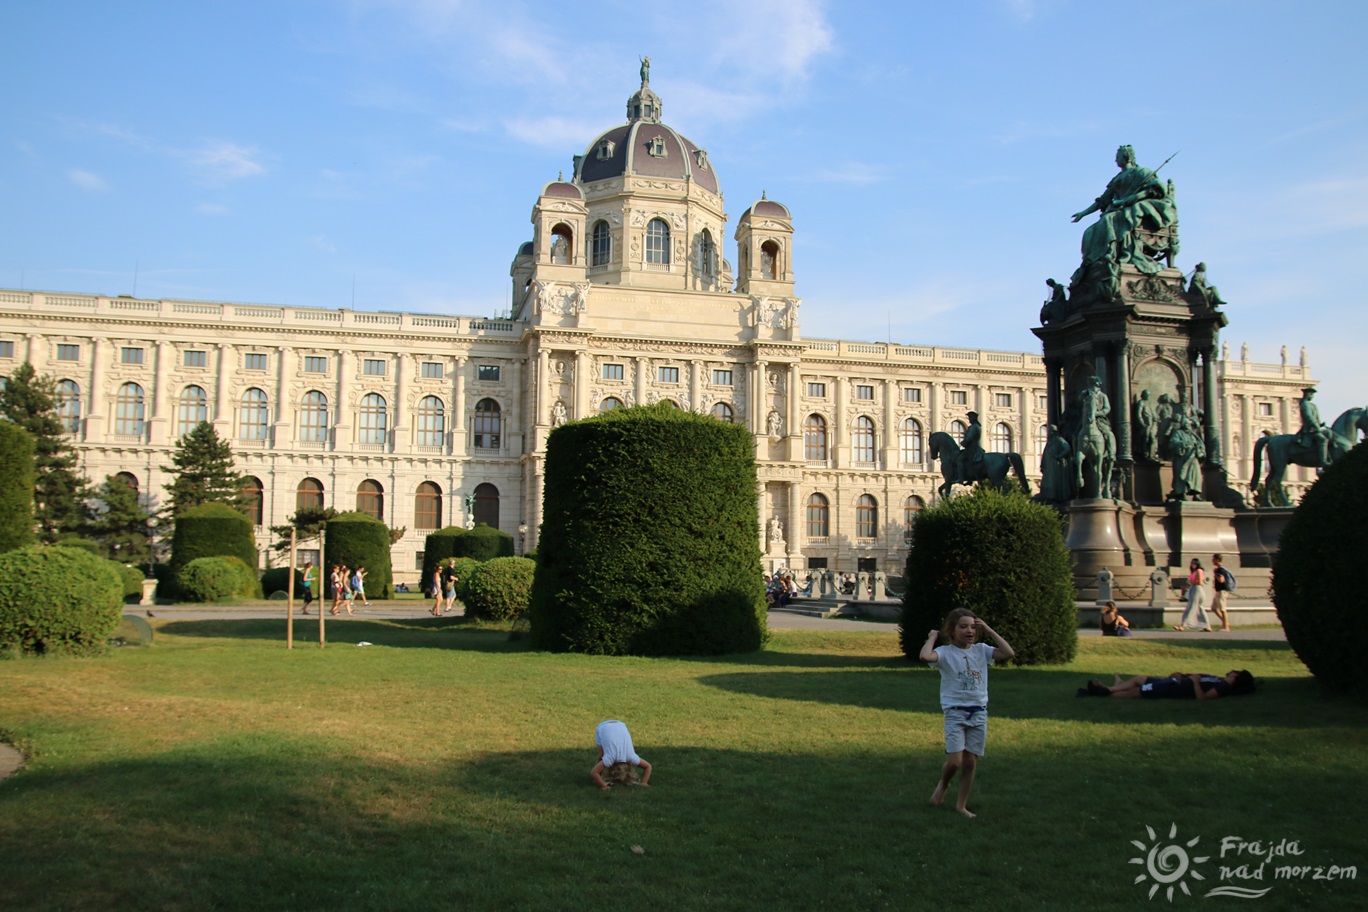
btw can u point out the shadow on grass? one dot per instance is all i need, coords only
(412, 633)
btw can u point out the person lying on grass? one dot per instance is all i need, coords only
(1177, 686)
(616, 757)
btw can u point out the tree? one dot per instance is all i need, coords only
(203, 472)
(59, 489)
(306, 523)
(16, 487)
(121, 524)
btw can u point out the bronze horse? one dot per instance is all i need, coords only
(993, 468)
(1284, 450)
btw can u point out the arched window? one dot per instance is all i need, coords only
(370, 499)
(958, 429)
(609, 404)
(769, 260)
(815, 439)
(911, 508)
(818, 516)
(707, 255)
(253, 500)
(129, 479)
(427, 506)
(487, 505)
(562, 242)
(723, 412)
(430, 423)
(69, 406)
(486, 425)
(129, 411)
(313, 418)
(1002, 438)
(1042, 438)
(866, 517)
(309, 495)
(192, 409)
(373, 427)
(657, 242)
(862, 439)
(910, 441)
(601, 250)
(254, 417)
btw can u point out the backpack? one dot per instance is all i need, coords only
(1230, 582)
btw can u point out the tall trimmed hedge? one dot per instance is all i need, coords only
(649, 541)
(212, 530)
(499, 589)
(1312, 589)
(16, 486)
(57, 600)
(484, 543)
(360, 540)
(1001, 556)
(437, 547)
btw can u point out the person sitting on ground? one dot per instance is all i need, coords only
(1177, 686)
(1112, 623)
(616, 757)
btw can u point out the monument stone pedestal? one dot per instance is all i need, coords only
(1102, 533)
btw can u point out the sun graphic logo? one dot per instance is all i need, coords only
(1167, 864)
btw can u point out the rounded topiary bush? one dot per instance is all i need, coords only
(360, 540)
(1002, 557)
(132, 581)
(16, 486)
(211, 530)
(277, 579)
(207, 579)
(484, 543)
(649, 541)
(499, 589)
(437, 547)
(1324, 622)
(465, 569)
(57, 600)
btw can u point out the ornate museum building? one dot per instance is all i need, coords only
(622, 297)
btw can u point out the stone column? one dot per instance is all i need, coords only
(1053, 391)
(840, 434)
(640, 366)
(891, 433)
(513, 419)
(402, 436)
(95, 395)
(760, 387)
(695, 385)
(580, 407)
(282, 434)
(795, 522)
(541, 389)
(1213, 440)
(222, 413)
(342, 414)
(795, 402)
(1122, 409)
(458, 422)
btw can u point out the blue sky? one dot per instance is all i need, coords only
(305, 151)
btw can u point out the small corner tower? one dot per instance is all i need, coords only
(764, 250)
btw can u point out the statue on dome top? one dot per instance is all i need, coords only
(645, 71)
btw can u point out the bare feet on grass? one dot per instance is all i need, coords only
(966, 812)
(938, 796)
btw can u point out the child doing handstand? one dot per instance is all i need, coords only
(616, 756)
(963, 665)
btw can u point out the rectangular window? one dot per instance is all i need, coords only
(131, 355)
(1002, 400)
(669, 375)
(959, 397)
(911, 394)
(864, 391)
(6, 349)
(254, 361)
(817, 390)
(487, 372)
(612, 372)
(1043, 402)
(68, 353)
(196, 358)
(722, 378)
(432, 370)
(373, 367)
(418, 560)
(314, 364)
(1265, 410)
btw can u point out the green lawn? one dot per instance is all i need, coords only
(446, 768)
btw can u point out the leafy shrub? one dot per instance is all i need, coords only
(16, 486)
(437, 547)
(84, 544)
(649, 543)
(1324, 622)
(277, 579)
(57, 600)
(484, 543)
(360, 540)
(465, 570)
(1002, 557)
(207, 579)
(132, 578)
(499, 589)
(211, 530)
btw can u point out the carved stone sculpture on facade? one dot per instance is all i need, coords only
(1185, 443)
(1056, 306)
(1198, 286)
(775, 424)
(1146, 428)
(776, 536)
(1056, 469)
(1094, 444)
(559, 415)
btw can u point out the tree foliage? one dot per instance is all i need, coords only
(60, 489)
(499, 589)
(1319, 611)
(1002, 557)
(121, 524)
(211, 530)
(202, 472)
(16, 487)
(57, 600)
(649, 542)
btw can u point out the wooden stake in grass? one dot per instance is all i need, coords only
(322, 560)
(289, 600)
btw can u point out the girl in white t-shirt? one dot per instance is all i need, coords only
(963, 665)
(616, 756)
